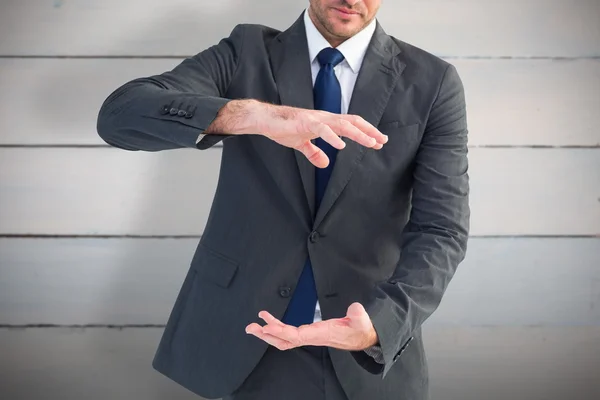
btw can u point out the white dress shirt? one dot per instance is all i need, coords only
(353, 50)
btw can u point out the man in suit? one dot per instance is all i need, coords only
(341, 211)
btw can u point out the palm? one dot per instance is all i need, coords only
(353, 332)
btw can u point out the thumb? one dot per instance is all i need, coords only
(358, 316)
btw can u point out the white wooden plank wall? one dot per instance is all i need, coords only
(506, 98)
(457, 28)
(92, 253)
(515, 191)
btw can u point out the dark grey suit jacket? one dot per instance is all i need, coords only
(390, 232)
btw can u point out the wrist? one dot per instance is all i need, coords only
(257, 116)
(260, 118)
(251, 117)
(373, 338)
(234, 118)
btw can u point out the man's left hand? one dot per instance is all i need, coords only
(353, 332)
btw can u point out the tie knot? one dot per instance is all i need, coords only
(331, 56)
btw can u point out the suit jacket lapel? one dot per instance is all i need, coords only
(291, 69)
(376, 80)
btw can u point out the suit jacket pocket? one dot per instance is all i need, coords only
(394, 128)
(214, 267)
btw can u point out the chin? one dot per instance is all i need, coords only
(346, 33)
(345, 28)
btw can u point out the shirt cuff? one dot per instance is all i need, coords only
(200, 137)
(376, 353)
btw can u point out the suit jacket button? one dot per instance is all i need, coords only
(173, 111)
(314, 236)
(181, 113)
(166, 108)
(284, 291)
(189, 115)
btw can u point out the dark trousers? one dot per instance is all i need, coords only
(303, 373)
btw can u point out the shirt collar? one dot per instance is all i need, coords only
(353, 49)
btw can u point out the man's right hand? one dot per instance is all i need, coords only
(296, 127)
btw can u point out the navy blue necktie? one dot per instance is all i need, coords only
(328, 97)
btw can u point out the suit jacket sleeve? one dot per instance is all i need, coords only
(171, 110)
(434, 240)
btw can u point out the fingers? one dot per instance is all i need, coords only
(327, 134)
(278, 342)
(285, 332)
(285, 336)
(276, 333)
(331, 126)
(269, 319)
(344, 127)
(315, 155)
(366, 128)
